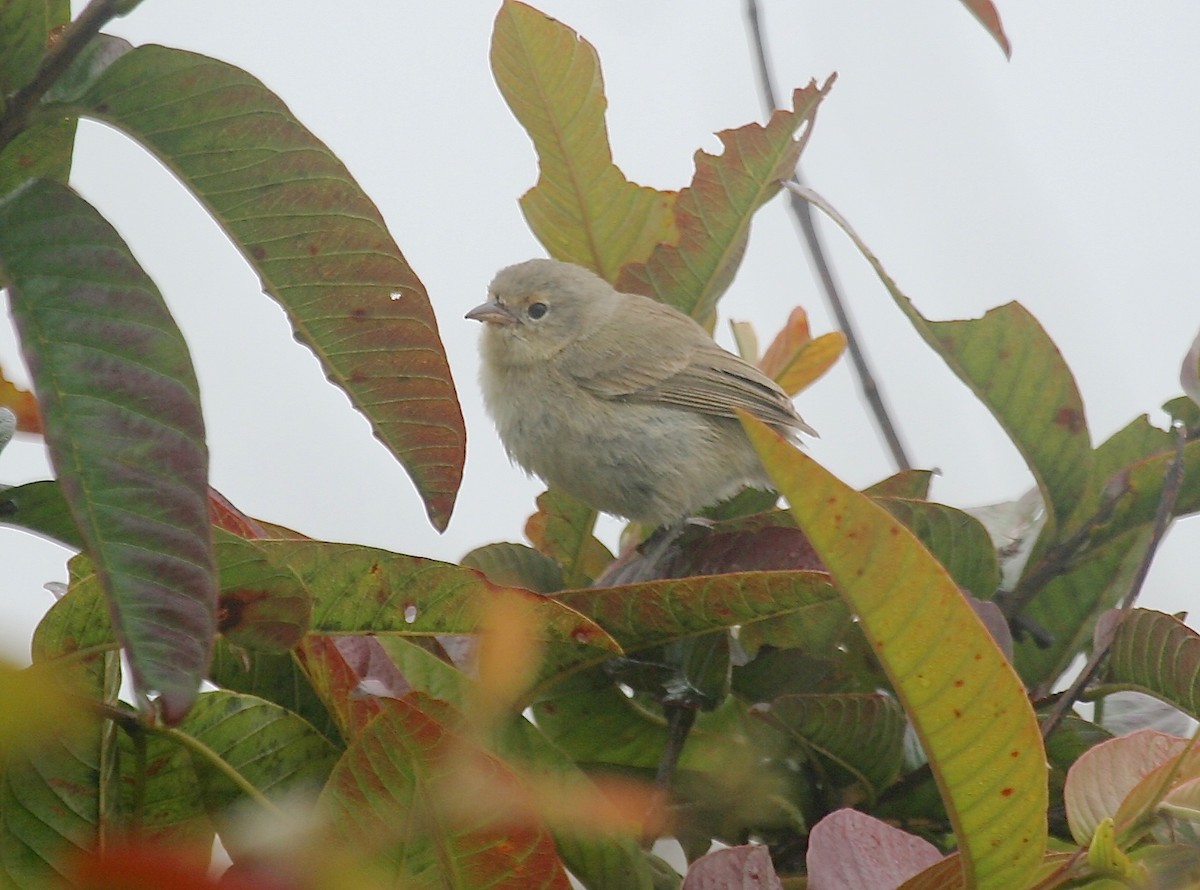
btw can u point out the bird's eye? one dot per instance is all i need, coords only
(537, 310)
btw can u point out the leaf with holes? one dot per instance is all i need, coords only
(582, 209)
(121, 409)
(966, 703)
(713, 213)
(316, 240)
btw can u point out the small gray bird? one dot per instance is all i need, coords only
(617, 399)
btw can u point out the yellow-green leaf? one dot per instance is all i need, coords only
(965, 701)
(582, 209)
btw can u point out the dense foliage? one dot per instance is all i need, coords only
(831, 689)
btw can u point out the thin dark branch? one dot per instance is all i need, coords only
(818, 257)
(1172, 483)
(58, 59)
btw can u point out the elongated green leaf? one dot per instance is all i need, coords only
(862, 732)
(965, 701)
(656, 612)
(713, 213)
(315, 239)
(261, 606)
(122, 415)
(435, 810)
(582, 209)
(1160, 654)
(1013, 366)
(162, 794)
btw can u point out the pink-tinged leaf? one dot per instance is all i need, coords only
(986, 14)
(582, 209)
(1104, 775)
(849, 850)
(967, 705)
(713, 213)
(121, 410)
(431, 806)
(316, 240)
(735, 868)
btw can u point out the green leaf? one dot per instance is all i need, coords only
(1068, 606)
(1159, 654)
(515, 565)
(1013, 366)
(162, 796)
(261, 606)
(24, 30)
(713, 213)
(275, 677)
(958, 541)
(40, 507)
(582, 209)
(864, 733)
(965, 701)
(274, 750)
(904, 484)
(121, 410)
(316, 240)
(562, 530)
(604, 859)
(435, 810)
(653, 613)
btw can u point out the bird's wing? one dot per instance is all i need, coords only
(667, 360)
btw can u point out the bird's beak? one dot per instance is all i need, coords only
(493, 313)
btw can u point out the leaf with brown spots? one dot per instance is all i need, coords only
(966, 703)
(314, 238)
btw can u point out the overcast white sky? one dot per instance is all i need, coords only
(1065, 178)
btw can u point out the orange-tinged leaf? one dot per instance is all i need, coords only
(582, 209)
(713, 213)
(985, 12)
(800, 368)
(793, 337)
(965, 701)
(22, 403)
(427, 803)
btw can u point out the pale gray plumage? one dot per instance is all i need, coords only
(617, 399)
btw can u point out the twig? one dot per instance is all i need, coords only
(58, 59)
(1172, 483)
(817, 255)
